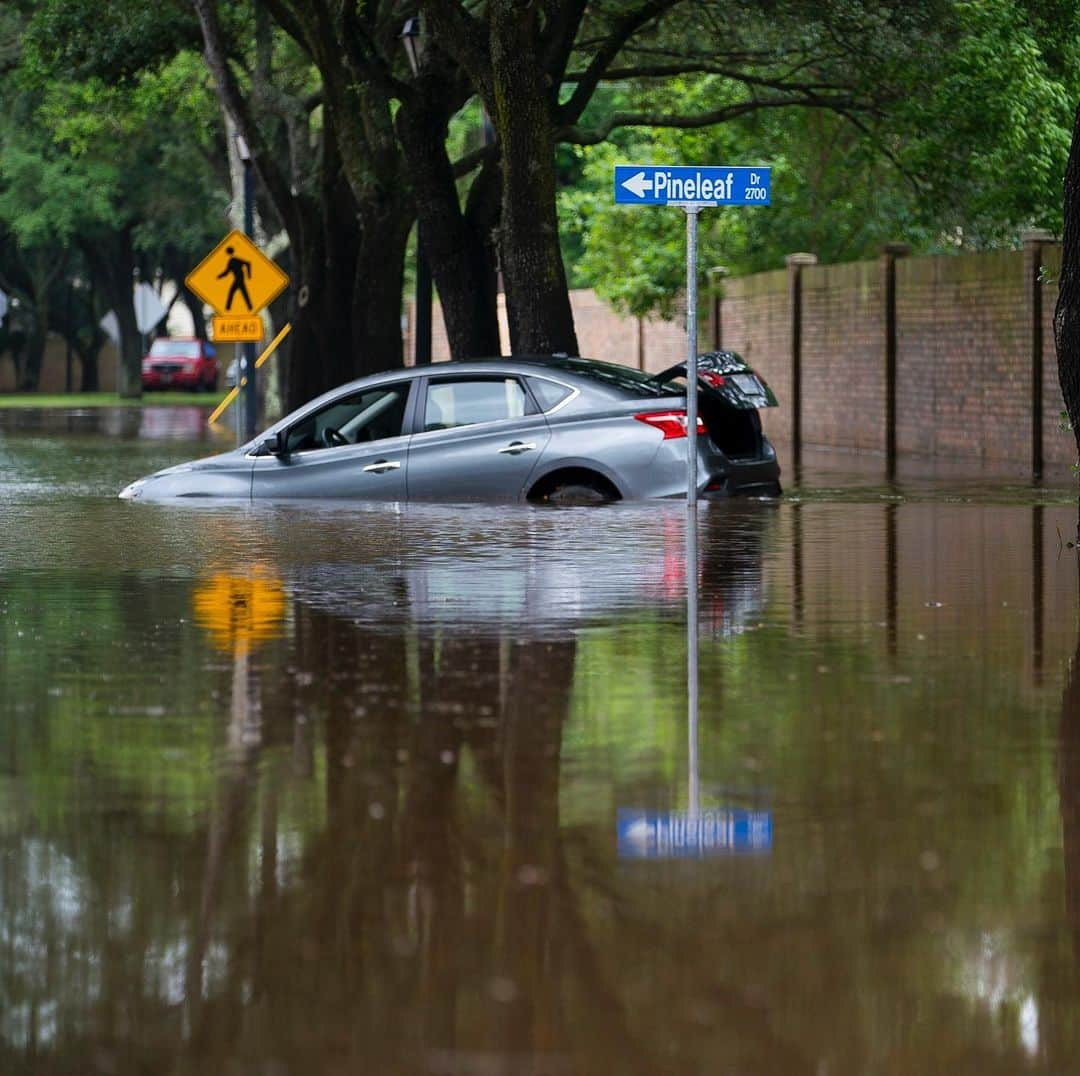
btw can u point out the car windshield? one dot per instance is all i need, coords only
(623, 377)
(174, 349)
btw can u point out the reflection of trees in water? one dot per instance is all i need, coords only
(424, 911)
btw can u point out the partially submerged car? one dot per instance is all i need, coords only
(180, 363)
(543, 429)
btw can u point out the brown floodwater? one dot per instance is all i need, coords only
(316, 789)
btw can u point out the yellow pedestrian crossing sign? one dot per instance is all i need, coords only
(236, 278)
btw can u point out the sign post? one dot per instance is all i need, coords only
(691, 188)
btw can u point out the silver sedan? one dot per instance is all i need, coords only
(558, 429)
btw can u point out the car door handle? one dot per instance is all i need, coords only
(383, 465)
(515, 447)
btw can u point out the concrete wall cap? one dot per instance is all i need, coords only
(801, 258)
(1037, 235)
(897, 250)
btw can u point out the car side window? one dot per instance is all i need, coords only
(372, 415)
(468, 402)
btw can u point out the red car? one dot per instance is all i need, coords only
(180, 363)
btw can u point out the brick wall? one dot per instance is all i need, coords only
(843, 385)
(964, 360)
(963, 378)
(964, 355)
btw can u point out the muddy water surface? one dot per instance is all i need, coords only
(317, 789)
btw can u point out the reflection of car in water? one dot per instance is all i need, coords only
(549, 585)
(539, 429)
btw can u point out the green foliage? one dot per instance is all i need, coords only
(970, 152)
(988, 134)
(117, 41)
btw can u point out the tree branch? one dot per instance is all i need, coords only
(571, 110)
(233, 101)
(592, 136)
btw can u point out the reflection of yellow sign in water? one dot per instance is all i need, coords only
(240, 611)
(236, 278)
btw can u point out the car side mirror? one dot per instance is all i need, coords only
(277, 444)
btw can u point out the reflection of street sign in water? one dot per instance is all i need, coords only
(236, 278)
(691, 835)
(240, 611)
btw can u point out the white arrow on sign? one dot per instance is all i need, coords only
(637, 184)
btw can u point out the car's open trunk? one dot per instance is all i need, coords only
(736, 432)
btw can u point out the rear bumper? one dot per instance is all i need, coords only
(747, 477)
(185, 379)
(718, 475)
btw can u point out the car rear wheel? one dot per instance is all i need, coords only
(574, 487)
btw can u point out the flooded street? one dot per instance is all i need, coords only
(317, 789)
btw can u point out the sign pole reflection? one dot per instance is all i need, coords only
(696, 832)
(693, 786)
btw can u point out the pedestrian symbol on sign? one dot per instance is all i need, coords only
(240, 269)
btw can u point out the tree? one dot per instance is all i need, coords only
(105, 174)
(340, 200)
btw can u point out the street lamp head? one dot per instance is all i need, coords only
(242, 148)
(410, 38)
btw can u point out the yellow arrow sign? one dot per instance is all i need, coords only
(236, 278)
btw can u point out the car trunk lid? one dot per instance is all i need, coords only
(725, 376)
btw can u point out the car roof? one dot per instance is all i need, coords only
(587, 375)
(567, 367)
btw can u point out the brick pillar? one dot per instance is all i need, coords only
(716, 306)
(1033, 309)
(795, 263)
(887, 261)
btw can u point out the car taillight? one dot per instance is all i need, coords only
(671, 424)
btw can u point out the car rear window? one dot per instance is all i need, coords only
(174, 349)
(625, 378)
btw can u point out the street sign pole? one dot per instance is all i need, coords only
(693, 790)
(692, 212)
(247, 364)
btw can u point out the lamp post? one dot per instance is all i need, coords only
(410, 39)
(246, 363)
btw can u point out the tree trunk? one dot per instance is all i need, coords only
(112, 259)
(455, 251)
(1067, 312)
(537, 301)
(88, 361)
(319, 356)
(347, 309)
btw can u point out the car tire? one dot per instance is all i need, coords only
(577, 492)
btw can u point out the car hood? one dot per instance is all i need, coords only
(171, 481)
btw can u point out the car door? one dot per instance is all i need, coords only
(478, 437)
(352, 447)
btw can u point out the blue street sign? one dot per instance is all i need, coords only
(709, 185)
(682, 835)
